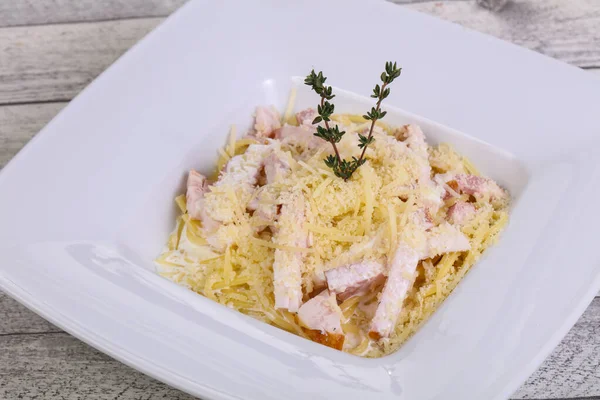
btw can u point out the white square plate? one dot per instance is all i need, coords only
(87, 205)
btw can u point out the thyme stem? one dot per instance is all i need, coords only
(341, 167)
(337, 153)
(370, 138)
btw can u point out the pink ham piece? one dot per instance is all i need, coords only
(238, 181)
(306, 117)
(431, 192)
(243, 170)
(415, 140)
(321, 313)
(264, 204)
(321, 319)
(444, 238)
(355, 279)
(422, 219)
(439, 240)
(197, 186)
(477, 186)
(264, 207)
(460, 213)
(239, 176)
(287, 266)
(400, 278)
(276, 167)
(266, 121)
(348, 257)
(474, 185)
(300, 136)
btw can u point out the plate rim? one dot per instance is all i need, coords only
(120, 354)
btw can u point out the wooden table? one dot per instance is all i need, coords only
(51, 49)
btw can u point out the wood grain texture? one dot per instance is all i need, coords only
(573, 368)
(49, 64)
(566, 30)
(17, 320)
(54, 62)
(58, 366)
(19, 123)
(42, 12)
(403, 2)
(74, 370)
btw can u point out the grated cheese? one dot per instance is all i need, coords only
(227, 267)
(287, 115)
(334, 234)
(393, 232)
(264, 243)
(346, 221)
(308, 167)
(322, 186)
(231, 141)
(369, 198)
(181, 203)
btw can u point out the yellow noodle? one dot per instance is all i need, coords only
(173, 241)
(193, 237)
(240, 280)
(230, 150)
(470, 167)
(349, 305)
(392, 221)
(322, 186)
(228, 273)
(350, 327)
(242, 144)
(264, 243)
(180, 200)
(208, 285)
(333, 233)
(361, 348)
(241, 276)
(446, 264)
(287, 115)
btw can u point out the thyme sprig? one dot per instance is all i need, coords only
(341, 167)
(380, 93)
(325, 110)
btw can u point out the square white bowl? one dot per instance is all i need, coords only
(86, 206)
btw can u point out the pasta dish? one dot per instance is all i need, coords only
(358, 264)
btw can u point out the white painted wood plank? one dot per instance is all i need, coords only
(60, 366)
(573, 368)
(19, 123)
(566, 30)
(42, 12)
(54, 62)
(402, 2)
(16, 319)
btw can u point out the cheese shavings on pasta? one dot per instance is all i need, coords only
(290, 207)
